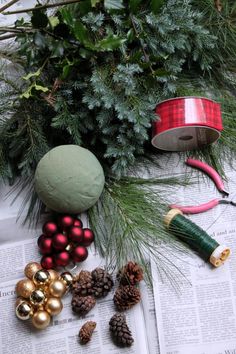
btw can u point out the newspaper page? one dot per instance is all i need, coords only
(18, 246)
(200, 317)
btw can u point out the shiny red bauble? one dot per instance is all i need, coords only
(65, 222)
(50, 228)
(76, 234)
(47, 262)
(59, 241)
(46, 245)
(78, 223)
(88, 237)
(79, 254)
(62, 259)
(41, 237)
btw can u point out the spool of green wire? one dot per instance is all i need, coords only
(196, 237)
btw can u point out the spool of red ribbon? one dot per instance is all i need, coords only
(186, 123)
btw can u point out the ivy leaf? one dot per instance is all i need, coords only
(110, 43)
(156, 5)
(113, 4)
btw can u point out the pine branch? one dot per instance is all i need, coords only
(42, 7)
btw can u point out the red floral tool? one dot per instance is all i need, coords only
(212, 203)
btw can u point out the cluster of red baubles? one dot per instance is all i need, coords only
(63, 242)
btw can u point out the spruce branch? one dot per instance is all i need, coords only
(42, 7)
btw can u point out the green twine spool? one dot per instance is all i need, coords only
(196, 237)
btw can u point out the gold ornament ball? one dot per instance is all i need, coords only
(41, 319)
(31, 269)
(24, 310)
(67, 278)
(54, 306)
(53, 274)
(57, 288)
(42, 277)
(38, 297)
(24, 288)
(19, 300)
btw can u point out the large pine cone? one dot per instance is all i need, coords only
(130, 274)
(103, 282)
(120, 330)
(83, 284)
(86, 332)
(82, 305)
(126, 297)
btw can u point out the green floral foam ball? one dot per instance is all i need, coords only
(69, 179)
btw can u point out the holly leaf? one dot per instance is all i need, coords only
(110, 43)
(81, 33)
(39, 40)
(156, 5)
(113, 4)
(54, 21)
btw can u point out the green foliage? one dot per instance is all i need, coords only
(116, 61)
(128, 224)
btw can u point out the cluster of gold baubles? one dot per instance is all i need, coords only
(39, 295)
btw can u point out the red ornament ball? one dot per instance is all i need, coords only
(76, 234)
(46, 245)
(49, 228)
(88, 237)
(78, 223)
(47, 262)
(41, 238)
(62, 259)
(79, 254)
(65, 222)
(59, 241)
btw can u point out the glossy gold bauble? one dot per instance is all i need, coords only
(57, 288)
(42, 277)
(19, 300)
(24, 310)
(24, 288)
(54, 306)
(67, 278)
(38, 297)
(31, 269)
(41, 319)
(53, 274)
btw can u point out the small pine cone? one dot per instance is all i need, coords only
(120, 330)
(83, 284)
(86, 331)
(130, 274)
(103, 282)
(82, 305)
(126, 297)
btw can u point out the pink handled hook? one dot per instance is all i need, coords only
(211, 173)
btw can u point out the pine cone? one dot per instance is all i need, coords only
(102, 282)
(86, 331)
(126, 297)
(82, 305)
(120, 330)
(83, 284)
(130, 274)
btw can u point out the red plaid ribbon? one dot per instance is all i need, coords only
(187, 111)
